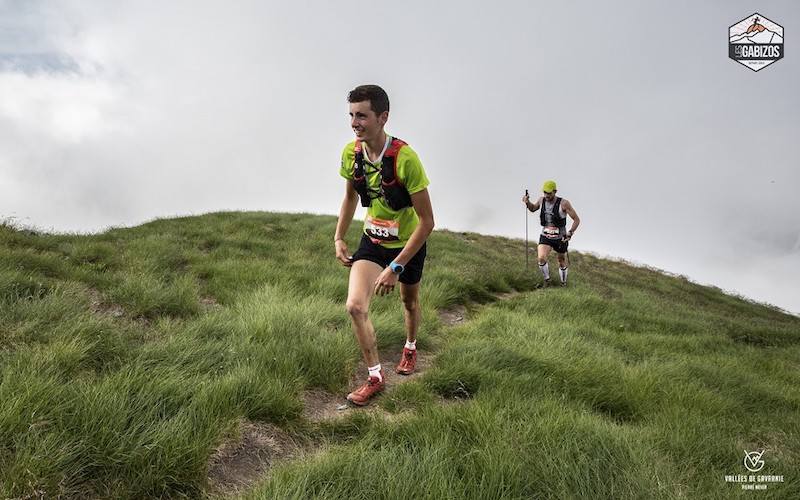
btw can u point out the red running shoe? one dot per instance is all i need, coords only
(362, 395)
(406, 366)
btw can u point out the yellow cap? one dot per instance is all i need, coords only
(549, 186)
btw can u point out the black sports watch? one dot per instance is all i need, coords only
(397, 268)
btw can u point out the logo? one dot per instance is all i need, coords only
(754, 463)
(755, 42)
(752, 460)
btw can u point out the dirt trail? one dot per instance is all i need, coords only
(237, 465)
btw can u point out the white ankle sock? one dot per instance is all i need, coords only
(411, 345)
(563, 272)
(375, 371)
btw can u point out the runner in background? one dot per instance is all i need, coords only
(555, 235)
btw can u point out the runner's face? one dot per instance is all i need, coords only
(365, 123)
(549, 196)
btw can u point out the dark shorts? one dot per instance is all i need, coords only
(560, 246)
(411, 275)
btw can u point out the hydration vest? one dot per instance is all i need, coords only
(391, 189)
(558, 221)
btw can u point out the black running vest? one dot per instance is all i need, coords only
(558, 221)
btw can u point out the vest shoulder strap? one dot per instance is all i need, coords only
(388, 164)
(358, 164)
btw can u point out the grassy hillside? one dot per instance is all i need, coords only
(130, 360)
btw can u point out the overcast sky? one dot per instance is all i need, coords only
(116, 112)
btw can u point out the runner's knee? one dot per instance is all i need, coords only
(411, 303)
(357, 308)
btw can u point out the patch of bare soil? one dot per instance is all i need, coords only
(209, 303)
(235, 466)
(458, 314)
(97, 305)
(506, 295)
(454, 316)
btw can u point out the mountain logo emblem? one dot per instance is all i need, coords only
(755, 42)
(753, 461)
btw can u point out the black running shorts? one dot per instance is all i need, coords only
(412, 272)
(560, 246)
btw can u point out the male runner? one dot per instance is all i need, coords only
(397, 225)
(555, 235)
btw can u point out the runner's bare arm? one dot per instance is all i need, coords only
(576, 221)
(422, 205)
(346, 213)
(534, 206)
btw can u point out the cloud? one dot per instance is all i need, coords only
(64, 108)
(114, 113)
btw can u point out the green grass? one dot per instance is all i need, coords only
(128, 357)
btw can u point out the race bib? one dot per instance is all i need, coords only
(552, 232)
(382, 231)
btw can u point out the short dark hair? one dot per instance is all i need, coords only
(377, 97)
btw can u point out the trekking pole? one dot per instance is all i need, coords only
(526, 233)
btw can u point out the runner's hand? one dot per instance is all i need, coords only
(342, 254)
(386, 282)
